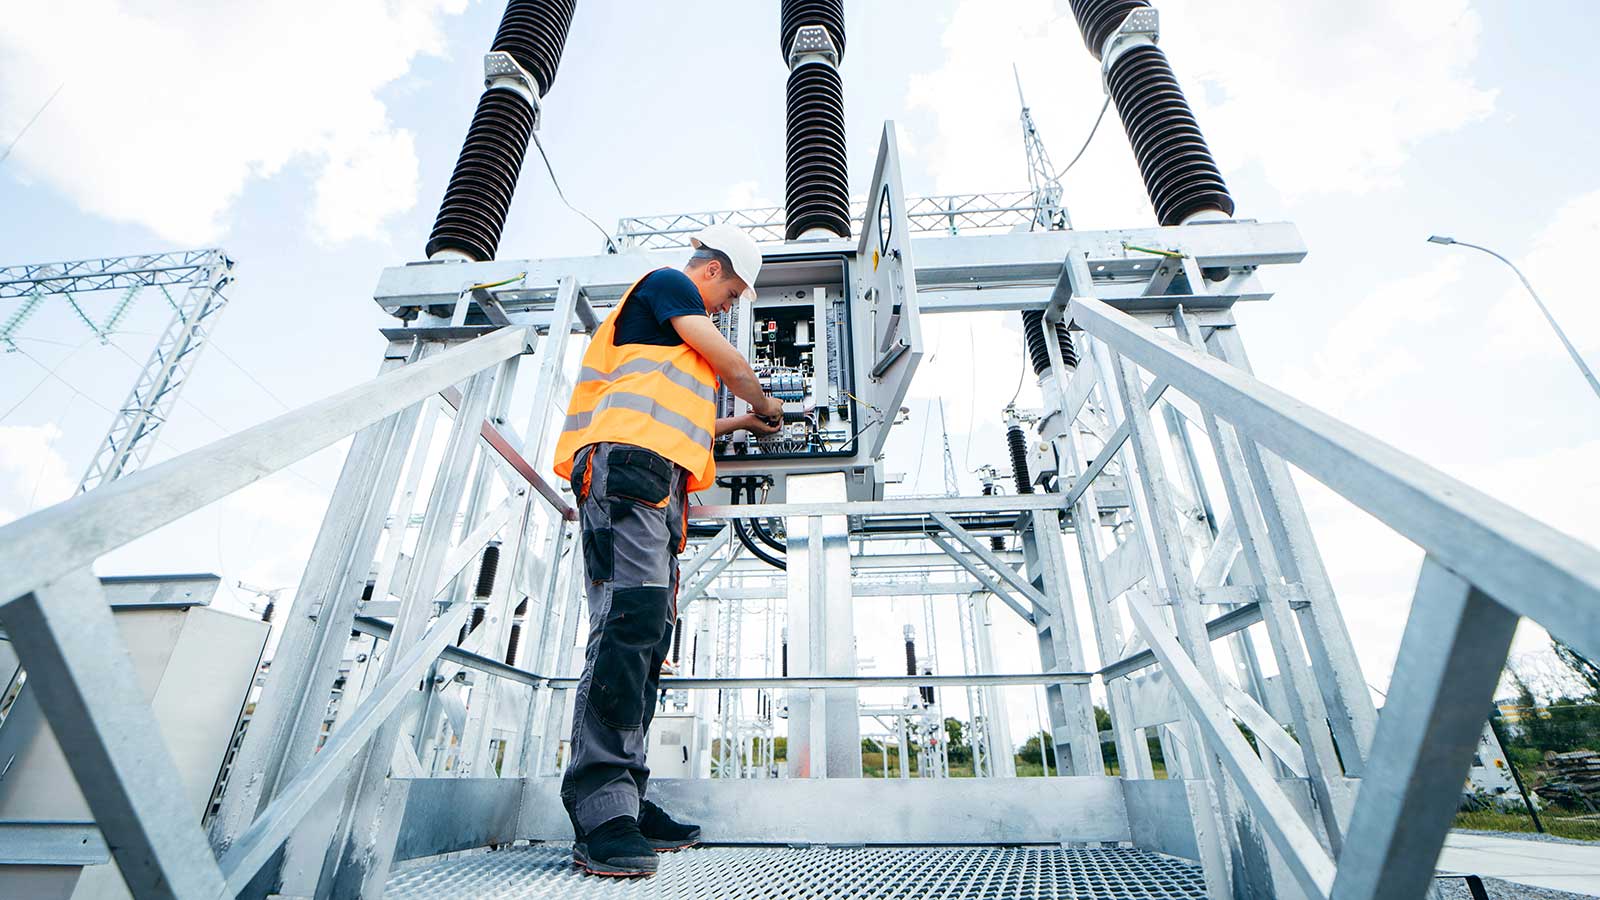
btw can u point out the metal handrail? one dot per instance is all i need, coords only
(53, 542)
(1535, 570)
(1486, 564)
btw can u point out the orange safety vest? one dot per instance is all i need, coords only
(663, 399)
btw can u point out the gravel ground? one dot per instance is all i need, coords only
(1456, 889)
(1528, 836)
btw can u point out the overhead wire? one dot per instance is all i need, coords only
(49, 372)
(35, 118)
(212, 342)
(1088, 140)
(213, 419)
(611, 246)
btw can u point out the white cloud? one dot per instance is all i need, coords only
(1322, 97)
(33, 474)
(747, 194)
(1366, 351)
(1326, 97)
(1551, 265)
(167, 113)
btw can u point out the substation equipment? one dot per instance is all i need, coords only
(1156, 478)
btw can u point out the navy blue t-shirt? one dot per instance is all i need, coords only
(662, 296)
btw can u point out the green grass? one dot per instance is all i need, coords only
(1586, 829)
(872, 767)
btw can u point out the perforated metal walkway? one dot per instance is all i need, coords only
(782, 873)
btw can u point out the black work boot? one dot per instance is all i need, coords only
(662, 832)
(615, 848)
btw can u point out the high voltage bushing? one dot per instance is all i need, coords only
(1017, 445)
(534, 33)
(817, 184)
(518, 71)
(798, 14)
(486, 572)
(1179, 171)
(516, 631)
(483, 589)
(1038, 351)
(997, 542)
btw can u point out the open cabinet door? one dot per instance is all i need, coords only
(886, 296)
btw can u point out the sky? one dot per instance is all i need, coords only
(313, 142)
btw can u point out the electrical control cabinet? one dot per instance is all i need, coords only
(797, 340)
(835, 335)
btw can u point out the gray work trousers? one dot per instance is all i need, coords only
(631, 508)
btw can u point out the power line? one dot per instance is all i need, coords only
(611, 247)
(1090, 139)
(31, 121)
(51, 373)
(47, 376)
(246, 372)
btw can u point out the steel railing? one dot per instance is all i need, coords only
(56, 615)
(1486, 564)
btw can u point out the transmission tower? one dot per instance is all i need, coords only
(1048, 211)
(200, 273)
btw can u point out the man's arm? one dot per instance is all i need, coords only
(702, 334)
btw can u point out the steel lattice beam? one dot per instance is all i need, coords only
(950, 214)
(203, 273)
(111, 273)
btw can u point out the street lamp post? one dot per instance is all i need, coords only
(1571, 350)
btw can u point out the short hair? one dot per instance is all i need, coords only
(703, 255)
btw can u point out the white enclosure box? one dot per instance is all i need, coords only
(195, 665)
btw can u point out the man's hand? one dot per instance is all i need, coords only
(748, 422)
(762, 427)
(769, 408)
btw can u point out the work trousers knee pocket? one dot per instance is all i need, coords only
(632, 633)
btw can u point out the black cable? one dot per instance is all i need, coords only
(744, 537)
(765, 536)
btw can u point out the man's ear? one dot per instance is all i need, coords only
(713, 270)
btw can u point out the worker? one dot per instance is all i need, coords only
(637, 440)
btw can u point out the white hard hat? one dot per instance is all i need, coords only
(740, 248)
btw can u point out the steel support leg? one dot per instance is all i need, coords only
(1299, 686)
(358, 861)
(1174, 582)
(1450, 659)
(289, 715)
(824, 728)
(1337, 668)
(1071, 709)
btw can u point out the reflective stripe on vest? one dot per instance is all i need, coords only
(641, 403)
(660, 398)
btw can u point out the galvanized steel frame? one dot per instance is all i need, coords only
(1486, 565)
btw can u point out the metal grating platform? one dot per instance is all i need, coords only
(782, 873)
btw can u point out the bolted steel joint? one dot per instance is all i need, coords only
(812, 41)
(1142, 27)
(502, 73)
